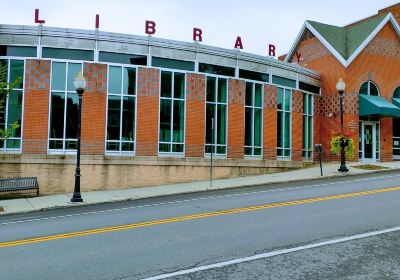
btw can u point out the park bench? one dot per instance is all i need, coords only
(19, 184)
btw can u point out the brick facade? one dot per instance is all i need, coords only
(236, 118)
(94, 109)
(147, 111)
(297, 125)
(270, 121)
(36, 106)
(195, 115)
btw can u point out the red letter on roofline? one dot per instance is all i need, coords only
(150, 28)
(97, 21)
(239, 44)
(197, 35)
(37, 20)
(271, 50)
(298, 56)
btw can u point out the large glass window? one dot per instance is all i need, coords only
(121, 107)
(396, 127)
(11, 108)
(284, 123)
(216, 115)
(253, 120)
(308, 105)
(369, 88)
(172, 113)
(64, 106)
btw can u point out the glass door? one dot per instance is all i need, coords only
(369, 139)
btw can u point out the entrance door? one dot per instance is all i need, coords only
(369, 141)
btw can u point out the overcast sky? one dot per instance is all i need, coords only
(258, 22)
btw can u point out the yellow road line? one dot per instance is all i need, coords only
(192, 217)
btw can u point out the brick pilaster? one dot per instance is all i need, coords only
(36, 106)
(195, 115)
(270, 121)
(297, 125)
(236, 118)
(94, 109)
(147, 111)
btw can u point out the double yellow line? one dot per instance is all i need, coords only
(191, 217)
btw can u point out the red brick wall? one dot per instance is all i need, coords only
(297, 125)
(236, 118)
(386, 147)
(94, 109)
(195, 115)
(36, 106)
(147, 112)
(270, 121)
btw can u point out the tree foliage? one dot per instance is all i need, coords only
(5, 89)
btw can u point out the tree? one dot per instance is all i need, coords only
(5, 89)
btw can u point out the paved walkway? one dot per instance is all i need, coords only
(23, 205)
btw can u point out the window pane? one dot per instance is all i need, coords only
(58, 76)
(248, 151)
(112, 146)
(210, 114)
(257, 127)
(113, 122)
(72, 116)
(248, 141)
(165, 120)
(287, 130)
(129, 81)
(258, 95)
(179, 111)
(56, 144)
(15, 111)
(310, 135)
(73, 70)
(71, 144)
(257, 151)
(17, 71)
(114, 79)
(279, 130)
(373, 89)
(249, 94)
(210, 89)
(364, 88)
(280, 99)
(177, 148)
(166, 84)
(287, 100)
(13, 144)
(57, 115)
(222, 90)
(221, 149)
(127, 147)
(221, 127)
(305, 132)
(164, 148)
(310, 104)
(128, 119)
(179, 85)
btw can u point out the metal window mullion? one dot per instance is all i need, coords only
(252, 117)
(171, 125)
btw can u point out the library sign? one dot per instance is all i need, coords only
(150, 29)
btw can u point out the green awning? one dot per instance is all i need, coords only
(377, 106)
(396, 101)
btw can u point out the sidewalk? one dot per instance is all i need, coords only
(24, 205)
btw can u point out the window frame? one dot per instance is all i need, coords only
(65, 91)
(121, 95)
(216, 103)
(172, 98)
(309, 115)
(369, 82)
(4, 149)
(253, 107)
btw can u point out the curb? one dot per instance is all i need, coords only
(70, 205)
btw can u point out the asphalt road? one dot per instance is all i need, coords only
(146, 238)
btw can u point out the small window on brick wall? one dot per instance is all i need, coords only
(64, 106)
(121, 110)
(11, 70)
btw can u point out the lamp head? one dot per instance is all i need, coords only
(80, 82)
(340, 86)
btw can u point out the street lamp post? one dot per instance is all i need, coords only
(80, 84)
(341, 86)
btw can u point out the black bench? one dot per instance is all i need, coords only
(19, 184)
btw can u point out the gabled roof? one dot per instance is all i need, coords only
(345, 43)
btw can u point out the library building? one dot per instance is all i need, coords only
(157, 111)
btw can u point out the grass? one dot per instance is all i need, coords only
(370, 167)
